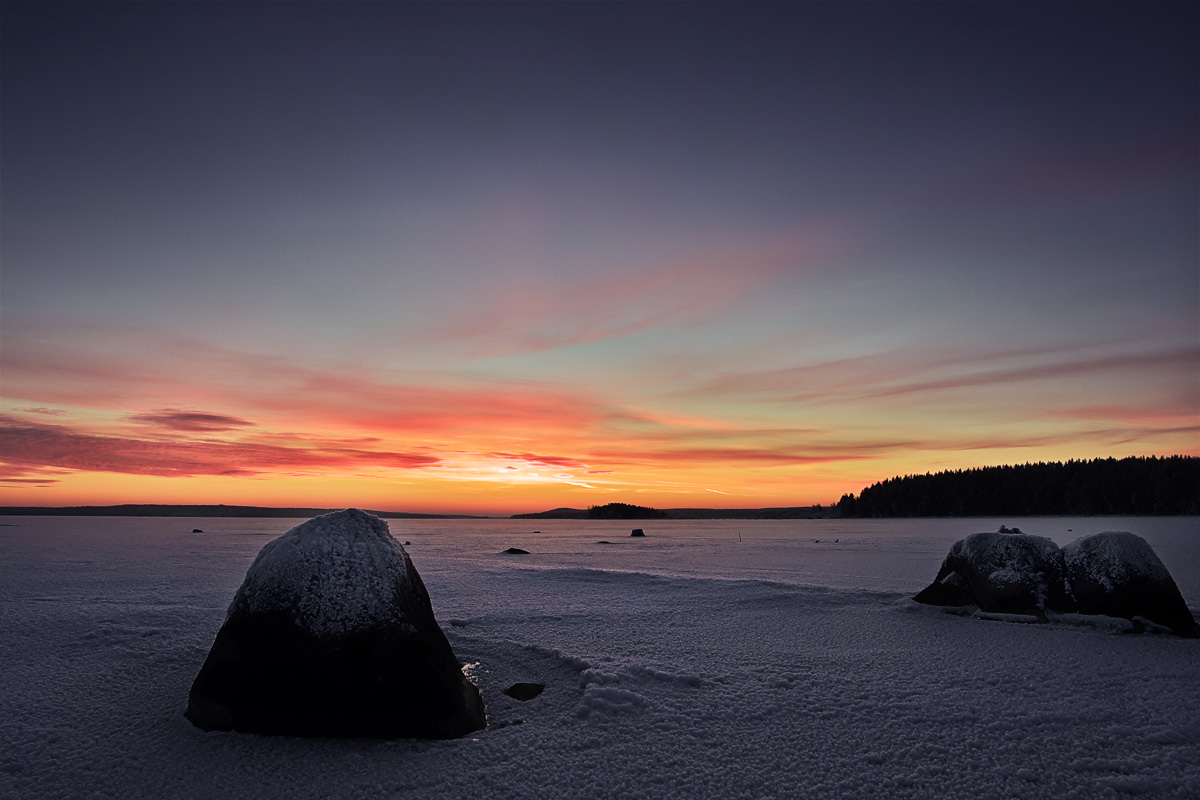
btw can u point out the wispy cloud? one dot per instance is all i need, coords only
(1183, 358)
(529, 316)
(26, 476)
(1151, 415)
(546, 461)
(192, 421)
(49, 412)
(173, 407)
(25, 445)
(912, 370)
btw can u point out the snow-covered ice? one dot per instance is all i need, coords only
(689, 664)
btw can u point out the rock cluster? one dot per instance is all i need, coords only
(1114, 573)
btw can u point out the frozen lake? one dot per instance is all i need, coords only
(716, 658)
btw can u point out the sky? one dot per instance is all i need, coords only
(505, 257)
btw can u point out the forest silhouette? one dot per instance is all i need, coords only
(1133, 486)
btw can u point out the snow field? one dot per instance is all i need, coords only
(689, 685)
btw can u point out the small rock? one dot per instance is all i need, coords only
(524, 691)
(603, 541)
(638, 532)
(515, 551)
(197, 530)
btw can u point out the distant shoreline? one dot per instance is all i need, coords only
(266, 512)
(221, 510)
(152, 510)
(638, 513)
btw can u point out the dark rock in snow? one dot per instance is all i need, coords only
(515, 551)
(604, 541)
(524, 691)
(638, 532)
(1118, 574)
(332, 634)
(1004, 573)
(952, 590)
(197, 530)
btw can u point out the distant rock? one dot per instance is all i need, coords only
(1006, 573)
(515, 551)
(332, 634)
(524, 691)
(1118, 574)
(638, 532)
(604, 541)
(197, 530)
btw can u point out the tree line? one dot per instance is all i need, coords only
(624, 511)
(1127, 486)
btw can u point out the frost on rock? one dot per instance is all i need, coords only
(1007, 572)
(1118, 574)
(332, 634)
(335, 574)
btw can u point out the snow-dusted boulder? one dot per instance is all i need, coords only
(1118, 574)
(1002, 572)
(332, 634)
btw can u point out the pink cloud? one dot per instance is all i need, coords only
(913, 370)
(194, 421)
(22, 476)
(545, 461)
(26, 445)
(1110, 173)
(738, 455)
(1184, 358)
(111, 369)
(530, 317)
(1130, 414)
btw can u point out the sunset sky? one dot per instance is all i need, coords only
(506, 257)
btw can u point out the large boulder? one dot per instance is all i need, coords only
(1002, 572)
(1118, 574)
(332, 634)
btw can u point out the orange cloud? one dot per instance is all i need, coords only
(134, 403)
(26, 445)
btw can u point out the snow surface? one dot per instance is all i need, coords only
(348, 566)
(791, 664)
